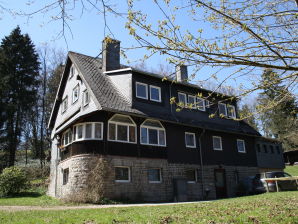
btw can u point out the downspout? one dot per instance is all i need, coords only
(201, 161)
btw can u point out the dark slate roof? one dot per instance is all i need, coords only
(110, 99)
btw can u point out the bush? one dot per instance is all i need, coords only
(12, 180)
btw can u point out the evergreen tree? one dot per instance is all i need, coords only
(246, 112)
(19, 70)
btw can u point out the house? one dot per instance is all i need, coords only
(152, 151)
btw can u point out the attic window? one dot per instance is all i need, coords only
(231, 111)
(75, 93)
(155, 93)
(141, 90)
(64, 104)
(201, 104)
(72, 71)
(86, 98)
(182, 99)
(192, 101)
(222, 109)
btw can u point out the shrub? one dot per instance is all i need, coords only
(12, 180)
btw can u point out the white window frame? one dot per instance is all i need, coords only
(195, 143)
(160, 176)
(185, 97)
(84, 131)
(64, 108)
(226, 112)
(77, 87)
(86, 92)
(196, 176)
(123, 124)
(70, 138)
(233, 109)
(195, 101)
(159, 93)
(71, 71)
(241, 140)
(154, 128)
(217, 149)
(207, 103)
(204, 106)
(142, 84)
(129, 174)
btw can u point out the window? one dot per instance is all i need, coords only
(67, 138)
(222, 108)
(122, 174)
(191, 175)
(154, 175)
(88, 131)
(182, 99)
(86, 98)
(152, 133)
(190, 140)
(72, 71)
(75, 93)
(231, 111)
(241, 145)
(217, 144)
(201, 104)
(64, 104)
(141, 90)
(265, 148)
(65, 176)
(192, 101)
(207, 103)
(155, 94)
(122, 129)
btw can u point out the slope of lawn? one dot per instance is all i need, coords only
(293, 170)
(281, 207)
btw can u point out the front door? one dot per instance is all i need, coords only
(220, 183)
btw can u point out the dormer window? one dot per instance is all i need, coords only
(142, 90)
(182, 99)
(155, 93)
(64, 104)
(75, 93)
(152, 133)
(122, 129)
(222, 108)
(192, 101)
(201, 104)
(231, 111)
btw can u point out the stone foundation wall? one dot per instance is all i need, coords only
(139, 188)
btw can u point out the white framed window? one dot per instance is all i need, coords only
(241, 146)
(192, 101)
(121, 128)
(86, 97)
(65, 176)
(152, 133)
(190, 140)
(64, 104)
(154, 175)
(88, 131)
(75, 93)
(122, 174)
(201, 104)
(66, 138)
(72, 71)
(207, 103)
(141, 90)
(182, 98)
(191, 175)
(222, 109)
(231, 111)
(217, 144)
(155, 93)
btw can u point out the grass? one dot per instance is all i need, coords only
(293, 170)
(281, 207)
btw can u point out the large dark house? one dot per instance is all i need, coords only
(154, 152)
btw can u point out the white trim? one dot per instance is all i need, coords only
(218, 137)
(160, 176)
(153, 128)
(195, 143)
(185, 97)
(118, 70)
(196, 176)
(62, 103)
(73, 90)
(142, 84)
(194, 99)
(204, 106)
(129, 174)
(84, 131)
(85, 103)
(233, 109)
(159, 93)
(226, 112)
(241, 140)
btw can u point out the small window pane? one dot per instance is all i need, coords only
(97, 131)
(141, 90)
(217, 143)
(121, 132)
(231, 111)
(190, 139)
(144, 137)
(154, 175)
(112, 131)
(80, 131)
(241, 146)
(182, 98)
(86, 97)
(191, 175)
(192, 101)
(75, 94)
(132, 134)
(201, 104)
(153, 138)
(65, 176)
(122, 173)
(74, 133)
(88, 131)
(162, 139)
(155, 93)
(222, 109)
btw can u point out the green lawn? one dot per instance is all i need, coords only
(293, 170)
(279, 207)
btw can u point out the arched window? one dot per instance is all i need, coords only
(122, 129)
(152, 133)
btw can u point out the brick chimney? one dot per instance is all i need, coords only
(181, 73)
(110, 54)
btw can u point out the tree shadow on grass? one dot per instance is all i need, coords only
(25, 194)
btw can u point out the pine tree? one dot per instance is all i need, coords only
(246, 112)
(19, 70)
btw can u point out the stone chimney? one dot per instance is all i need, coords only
(181, 73)
(110, 54)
